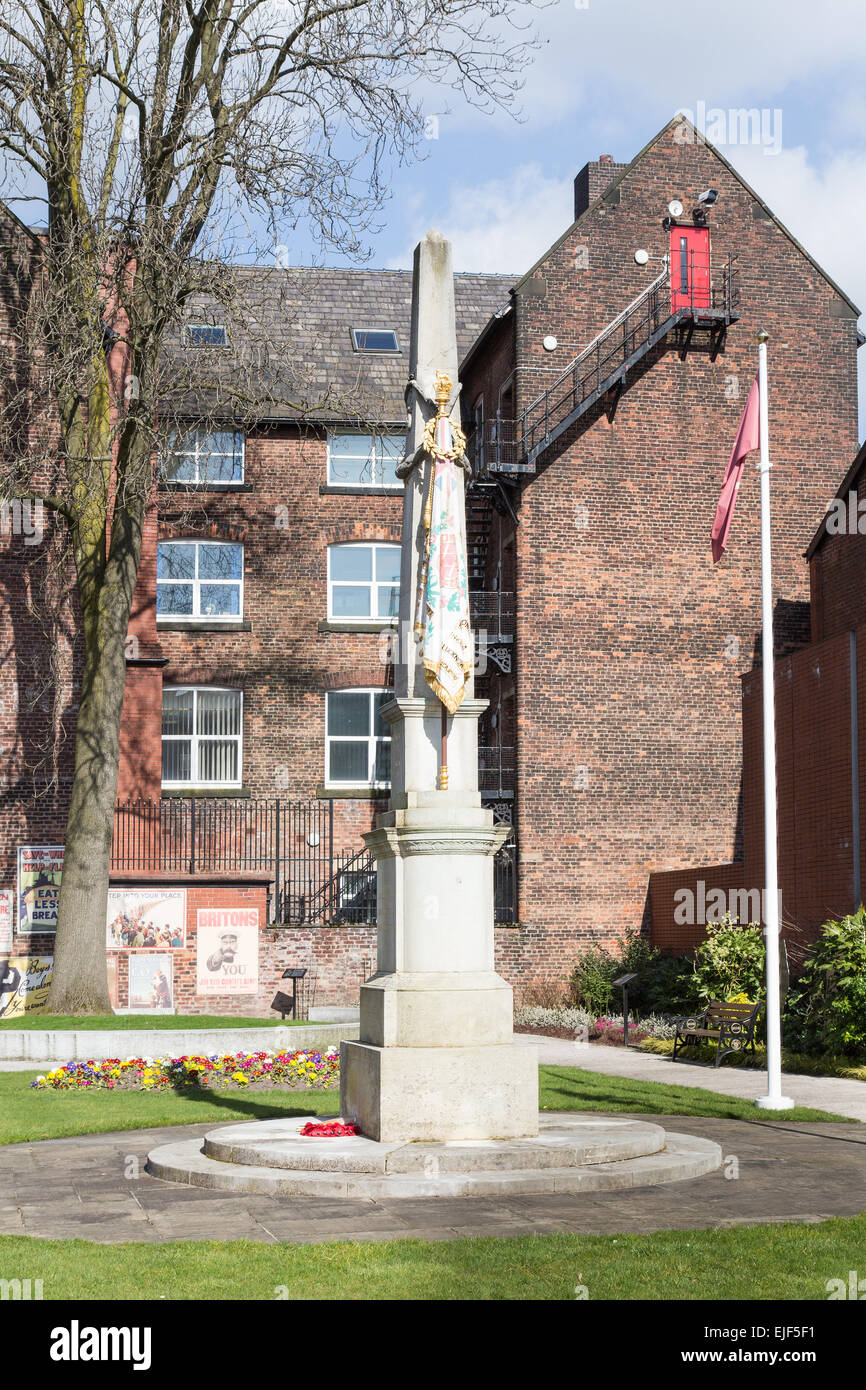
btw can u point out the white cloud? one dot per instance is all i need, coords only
(636, 57)
(824, 207)
(502, 225)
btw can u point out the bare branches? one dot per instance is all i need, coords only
(155, 130)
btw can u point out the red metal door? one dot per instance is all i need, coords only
(690, 268)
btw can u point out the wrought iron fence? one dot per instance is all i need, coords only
(505, 883)
(311, 880)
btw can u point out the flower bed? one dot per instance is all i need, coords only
(567, 1022)
(293, 1071)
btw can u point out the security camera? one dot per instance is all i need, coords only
(709, 196)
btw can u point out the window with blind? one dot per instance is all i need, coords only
(358, 741)
(363, 581)
(202, 736)
(200, 579)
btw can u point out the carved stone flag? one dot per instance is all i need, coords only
(442, 622)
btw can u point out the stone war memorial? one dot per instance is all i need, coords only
(436, 1096)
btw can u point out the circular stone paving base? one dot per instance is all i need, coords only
(571, 1153)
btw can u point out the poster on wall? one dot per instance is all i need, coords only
(146, 919)
(151, 984)
(111, 971)
(7, 897)
(227, 950)
(40, 869)
(24, 984)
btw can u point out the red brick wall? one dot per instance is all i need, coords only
(813, 751)
(814, 791)
(669, 931)
(140, 767)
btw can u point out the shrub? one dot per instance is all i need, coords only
(590, 986)
(670, 986)
(730, 961)
(665, 983)
(558, 1016)
(826, 1009)
(546, 994)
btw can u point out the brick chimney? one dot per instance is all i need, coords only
(592, 180)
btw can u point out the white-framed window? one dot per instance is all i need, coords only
(205, 335)
(364, 459)
(200, 579)
(204, 456)
(363, 581)
(357, 739)
(202, 736)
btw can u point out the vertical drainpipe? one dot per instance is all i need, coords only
(855, 771)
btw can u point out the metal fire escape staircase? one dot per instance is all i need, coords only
(510, 449)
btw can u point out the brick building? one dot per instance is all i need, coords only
(629, 645)
(602, 392)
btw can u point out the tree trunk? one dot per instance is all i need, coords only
(80, 980)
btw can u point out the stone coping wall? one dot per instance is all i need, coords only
(20, 1045)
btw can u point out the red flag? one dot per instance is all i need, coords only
(747, 440)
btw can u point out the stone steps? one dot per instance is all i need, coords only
(571, 1154)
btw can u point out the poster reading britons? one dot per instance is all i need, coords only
(227, 959)
(40, 869)
(24, 984)
(146, 919)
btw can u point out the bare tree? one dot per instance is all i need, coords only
(158, 132)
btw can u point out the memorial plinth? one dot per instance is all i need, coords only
(436, 1057)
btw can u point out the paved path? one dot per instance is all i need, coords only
(87, 1188)
(830, 1093)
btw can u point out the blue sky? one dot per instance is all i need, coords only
(610, 73)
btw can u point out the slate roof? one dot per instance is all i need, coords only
(291, 343)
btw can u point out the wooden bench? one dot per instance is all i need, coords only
(731, 1026)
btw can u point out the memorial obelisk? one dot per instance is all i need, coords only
(436, 1058)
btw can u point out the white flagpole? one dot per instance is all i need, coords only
(773, 1100)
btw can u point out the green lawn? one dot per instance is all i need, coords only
(788, 1261)
(570, 1088)
(27, 1115)
(117, 1022)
